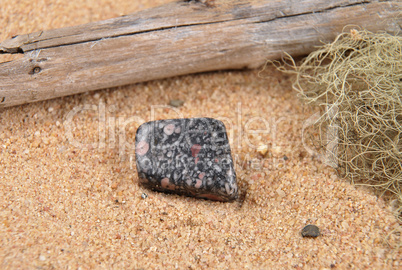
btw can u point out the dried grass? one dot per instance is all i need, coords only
(356, 81)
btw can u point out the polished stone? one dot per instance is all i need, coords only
(186, 156)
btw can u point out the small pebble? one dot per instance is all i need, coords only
(144, 196)
(310, 231)
(176, 103)
(281, 193)
(262, 149)
(114, 185)
(285, 158)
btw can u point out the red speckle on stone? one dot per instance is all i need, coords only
(216, 160)
(143, 180)
(195, 149)
(166, 184)
(196, 160)
(201, 175)
(198, 184)
(169, 129)
(142, 148)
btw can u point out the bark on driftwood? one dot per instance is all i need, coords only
(178, 38)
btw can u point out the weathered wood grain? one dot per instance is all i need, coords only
(175, 39)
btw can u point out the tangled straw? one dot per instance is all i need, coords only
(357, 82)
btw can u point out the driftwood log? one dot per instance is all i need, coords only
(178, 38)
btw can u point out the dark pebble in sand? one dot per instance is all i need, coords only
(310, 231)
(176, 103)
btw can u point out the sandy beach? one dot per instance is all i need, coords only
(70, 196)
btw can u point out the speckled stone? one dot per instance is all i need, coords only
(310, 231)
(186, 156)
